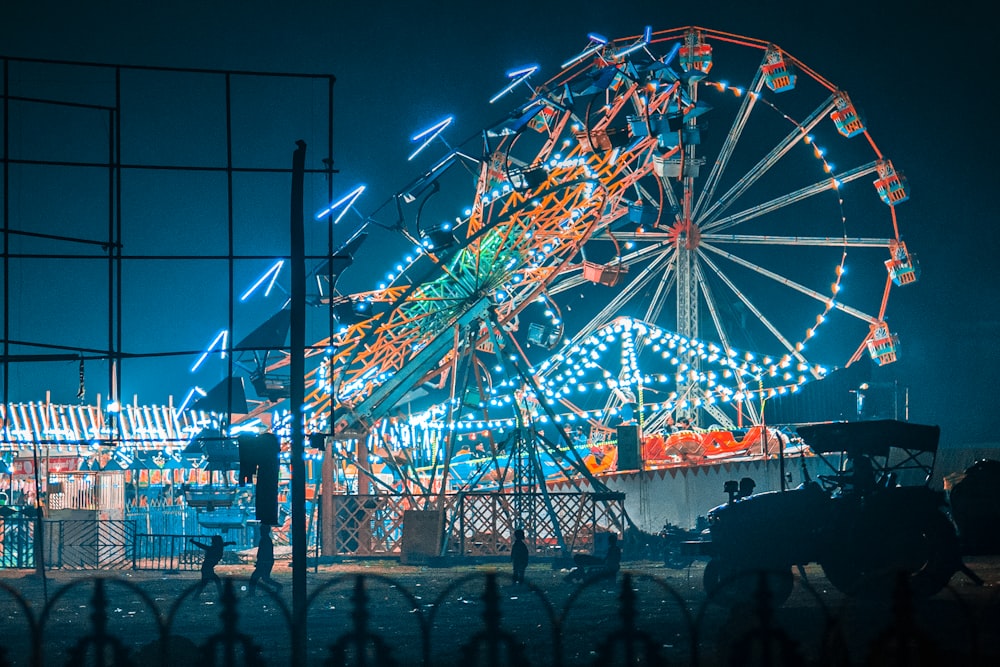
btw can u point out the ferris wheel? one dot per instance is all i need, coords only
(760, 213)
(709, 183)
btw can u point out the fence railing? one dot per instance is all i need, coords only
(472, 524)
(83, 544)
(478, 524)
(484, 619)
(100, 545)
(159, 517)
(17, 541)
(171, 553)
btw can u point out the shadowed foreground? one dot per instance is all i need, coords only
(469, 615)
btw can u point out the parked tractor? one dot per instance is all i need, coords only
(974, 496)
(872, 520)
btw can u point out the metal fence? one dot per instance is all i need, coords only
(98, 544)
(478, 524)
(236, 524)
(17, 541)
(482, 619)
(171, 553)
(160, 517)
(472, 525)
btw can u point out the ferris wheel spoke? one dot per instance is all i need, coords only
(723, 338)
(818, 296)
(754, 174)
(723, 334)
(815, 241)
(793, 349)
(663, 289)
(713, 310)
(654, 270)
(771, 206)
(832, 183)
(729, 145)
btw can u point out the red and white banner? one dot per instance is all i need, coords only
(26, 467)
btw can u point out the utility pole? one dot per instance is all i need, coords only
(297, 345)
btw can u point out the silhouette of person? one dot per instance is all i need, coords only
(861, 474)
(519, 556)
(213, 556)
(613, 559)
(265, 561)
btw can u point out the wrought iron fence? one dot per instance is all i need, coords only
(482, 618)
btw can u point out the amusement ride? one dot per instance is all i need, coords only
(650, 183)
(676, 224)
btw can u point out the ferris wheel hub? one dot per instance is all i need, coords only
(684, 234)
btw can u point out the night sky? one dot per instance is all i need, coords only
(921, 76)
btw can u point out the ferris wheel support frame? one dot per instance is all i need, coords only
(385, 396)
(505, 341)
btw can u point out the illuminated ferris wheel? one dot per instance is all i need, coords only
(759, 213)
(707, 183)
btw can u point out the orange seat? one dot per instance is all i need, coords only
(654, 448)
(720, 442)
(755, 442)
(685, 444)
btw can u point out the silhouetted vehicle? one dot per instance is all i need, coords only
(974, 497)
(672, 545)
(872, 520)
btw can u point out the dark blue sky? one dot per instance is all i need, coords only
(919, 74)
